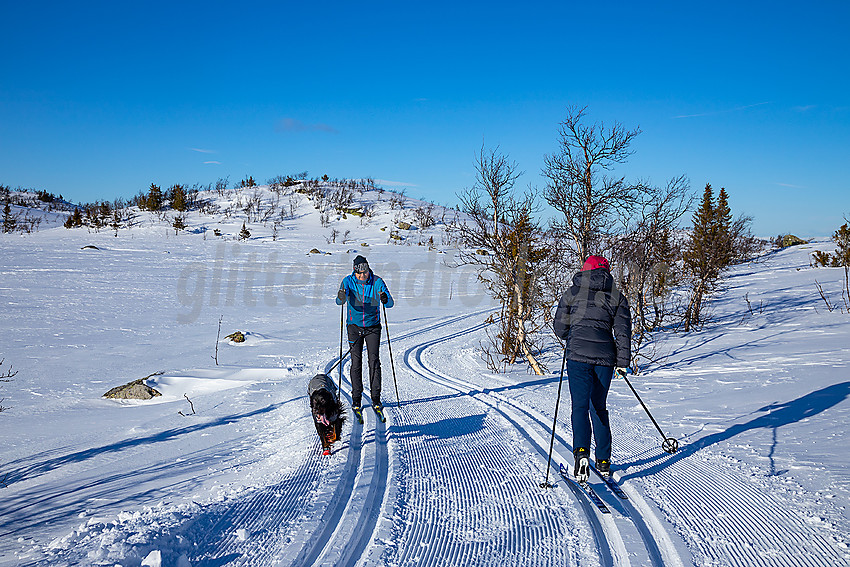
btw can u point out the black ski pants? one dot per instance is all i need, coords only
(372, 337)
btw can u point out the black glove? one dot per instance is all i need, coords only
(620, 372)
(341, 295)
(384, 298)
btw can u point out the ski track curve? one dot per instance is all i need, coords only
(297, 522)
(609, 540)
(527, 421)
(468, 493)
(727, 518)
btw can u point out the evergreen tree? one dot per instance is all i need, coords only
(116, 220)
(154, 200)
(711, 248)
(74, 220)
(8, 218)
(179, 223)
(178, 198)
(700, 255)
(244, 234)
(724, 241)
(842, 253)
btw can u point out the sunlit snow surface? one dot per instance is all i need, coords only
(758, 399)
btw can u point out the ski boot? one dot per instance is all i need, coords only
(326, 451)
(582, 467)
(379, 411)
(358, 413)
(603, 467)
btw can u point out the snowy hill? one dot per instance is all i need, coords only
(758, 399)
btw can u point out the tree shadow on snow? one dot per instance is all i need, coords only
(28, 468)
(777, 415)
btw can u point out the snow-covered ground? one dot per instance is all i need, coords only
(758, 399)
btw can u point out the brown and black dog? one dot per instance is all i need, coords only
(327, 410)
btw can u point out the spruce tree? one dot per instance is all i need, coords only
(178, 198)
(842, 240)
(8, 218)
(154, 200)
(700, 255)
(244, 234)
(179, 223)
(724, 244)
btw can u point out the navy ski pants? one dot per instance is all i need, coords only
(372, 337)
(589, 385)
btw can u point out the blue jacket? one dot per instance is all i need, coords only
(364, 299)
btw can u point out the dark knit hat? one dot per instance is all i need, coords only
(361, 265)
(594, 262)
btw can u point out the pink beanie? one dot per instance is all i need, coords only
(594, 262)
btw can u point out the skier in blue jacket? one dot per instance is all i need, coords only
(362, 290)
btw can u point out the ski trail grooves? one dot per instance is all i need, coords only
(470, 498)
(288, 524)
(352, 522)
(332, 515)
(250, 528)
(731, 518)
(468, 492)
(600, 534)
(728, 517)
(612, 538)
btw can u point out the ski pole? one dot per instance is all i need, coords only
(545, 483)
(669, 445)
(341, 327)
(390, 346)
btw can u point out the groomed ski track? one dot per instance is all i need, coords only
(453, 478)
(623, 538)
(747, 524)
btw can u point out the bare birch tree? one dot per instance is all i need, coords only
(577, 184)
(501, 238)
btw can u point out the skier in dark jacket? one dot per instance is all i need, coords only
(593, 318)
(362, 290)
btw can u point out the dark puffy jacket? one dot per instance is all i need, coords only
(321, 382)
(593, 318)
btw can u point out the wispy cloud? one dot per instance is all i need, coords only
(293, 125)
(212, 163)
(805, 108)
(727, 111)
(792, 186)
(202, 151)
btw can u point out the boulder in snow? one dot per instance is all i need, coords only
(135, 390)
(791, 240)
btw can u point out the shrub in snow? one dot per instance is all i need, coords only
(236, 337)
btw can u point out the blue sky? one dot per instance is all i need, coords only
(101, 99)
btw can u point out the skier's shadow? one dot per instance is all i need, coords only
(443, 429)
(778, 414)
